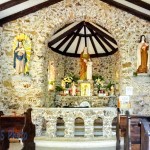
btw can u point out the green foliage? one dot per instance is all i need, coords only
(134, 74)
(108, 86)
(59, 88)
(75, 78)
(94, 77)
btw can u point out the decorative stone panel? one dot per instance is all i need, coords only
(69, 115)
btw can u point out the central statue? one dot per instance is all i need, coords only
(84, 58)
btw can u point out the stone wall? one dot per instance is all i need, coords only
(21, 91)
(50, 115)
(107, 67)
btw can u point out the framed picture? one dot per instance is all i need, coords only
(85, 89)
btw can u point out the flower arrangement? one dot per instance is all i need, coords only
(68, 79)
(99, 81)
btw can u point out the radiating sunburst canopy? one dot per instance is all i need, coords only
(71, 40)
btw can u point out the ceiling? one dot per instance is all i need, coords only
(13, 9)
(71, 40)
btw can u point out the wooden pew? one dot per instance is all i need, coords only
(130, 127)
(145, 134)
(17, 127)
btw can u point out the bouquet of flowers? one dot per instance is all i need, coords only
(99, 81)
(68, 79)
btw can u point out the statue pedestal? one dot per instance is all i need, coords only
(86, 87)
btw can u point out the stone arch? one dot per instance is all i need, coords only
(60, 127)
(79, 129)
(98, 127)
(114, 123)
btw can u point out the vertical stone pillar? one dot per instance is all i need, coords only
(69, 125)
(51, 128)
(38, 121)
(107, 126)
(89, 128)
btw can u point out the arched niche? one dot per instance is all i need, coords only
(79, 127)
(67, 44)
(98, 127)
(114, 123)
(60, 127)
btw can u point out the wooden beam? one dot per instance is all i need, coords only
(140, 3)
(77, 47)
(69, 44)
(105, 41)
(85, 34)
(73, 38)
(94, 47)
(90, 26)
(98, 40)
(82, 35)
(127, 9)
(65, 34)
(11, 4)
(78, 55)
(28, 11)
(64, 41)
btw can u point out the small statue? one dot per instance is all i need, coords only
(112, 90)
(73, 89)
(142, 61)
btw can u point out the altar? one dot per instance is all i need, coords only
(94, 101)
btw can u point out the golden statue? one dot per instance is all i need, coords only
(143, 58)
(84, 57)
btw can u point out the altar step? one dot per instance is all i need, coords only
(70, 145)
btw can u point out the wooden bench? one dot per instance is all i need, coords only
(133, 128)
(17, 127)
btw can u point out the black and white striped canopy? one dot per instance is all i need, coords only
(71, 40)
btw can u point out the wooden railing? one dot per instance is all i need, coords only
(17, 127)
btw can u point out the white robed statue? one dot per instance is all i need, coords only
(89, 69)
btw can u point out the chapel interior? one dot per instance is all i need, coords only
(74, 71)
